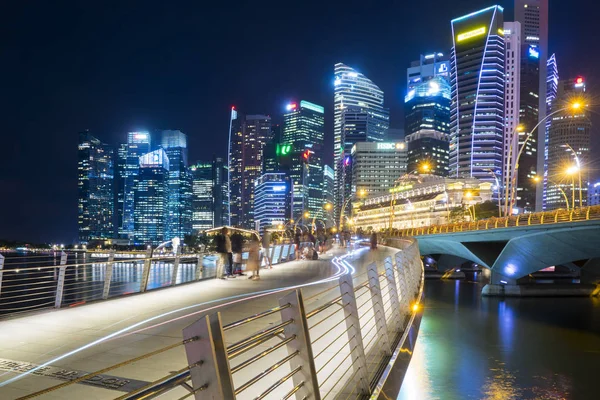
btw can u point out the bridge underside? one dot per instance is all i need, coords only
(512, 254)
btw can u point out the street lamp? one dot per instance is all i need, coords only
(518, 129)
(469, 195)
(573, 106)
(498, 186)
(570, 149)
(571, 171)
(361, 193)
(537, 179)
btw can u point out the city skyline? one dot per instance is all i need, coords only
(41, 206)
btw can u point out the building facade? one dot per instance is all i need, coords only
(422, 201)
(358, 116)
(95, 183)
(427, 67)
(328, 188)
(477, 109)
(220, 192)
(272, 203)
(594, 194)
(512, 107)
(138, 144)
(533, 17)
(179, 207)
(304, 130)
(552, 80)
(203, 201)
(427, 123)
(151, 197)
(248, 138)
(569, 142)
(377, 166)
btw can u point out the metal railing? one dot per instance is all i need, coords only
(59, 279)
(541, 218)
(339, 342)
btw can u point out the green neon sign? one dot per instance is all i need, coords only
(284, 149)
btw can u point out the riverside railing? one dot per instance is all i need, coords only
(341, 339)
(60, 279)
(541, 218)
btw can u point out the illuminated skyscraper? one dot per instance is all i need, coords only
(552, 80)
(138, 144)
(569, 132)
(202, 199)
(248, 137)
(533, 16)
(272, 201)
(304, 130)
(151, 197)
(220, 192)
(179, 208)
(95, 189)
(427, 114)
(477, 109)
(358, 116)
(328, 187)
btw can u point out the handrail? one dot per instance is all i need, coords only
(540, 218)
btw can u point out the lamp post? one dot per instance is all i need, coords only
(537, 179)
(469, 195)
(569, 148)
(571, 172)
(513, 175)
(518, 129)
(498, 186)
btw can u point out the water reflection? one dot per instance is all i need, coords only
(471, 347)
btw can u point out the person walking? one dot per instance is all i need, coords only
(297, 245)
(374, 241)
(225, 260)
(266, 243)
(237, 248)
(253, 263)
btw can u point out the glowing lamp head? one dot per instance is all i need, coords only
(579, 79)
(576, 106)
(468, 195)
(306, 214)
(415, 307)
(520, 128)
(536, 179)
(573, 169)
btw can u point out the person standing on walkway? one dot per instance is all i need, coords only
(297, 245)
(266, 243)
(253, 263)
(374, 241)
(225, 256)
(237, 248)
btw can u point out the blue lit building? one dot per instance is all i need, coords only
(202, 196)
(594, 194)
(138, 144)
(477, 108)
(179, 208)
(304, 130)
(95, 189)
(151, 197)
(272, 201)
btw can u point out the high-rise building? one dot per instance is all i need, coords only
(304, 130)
(427, 67)
(202, 196)
(179, 208)
(512, 107)
(533, 16)
(95, 189)
(272, 201)
(594, 194)
(220, 192)
(328, 187)
(151, 197)
(477, 109)
(247, 140)
(376, 166)
(569, 148)
(358, 116)
(552, 80)
(427, 118)
(138, 144)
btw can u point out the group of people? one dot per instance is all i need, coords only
(230, 249)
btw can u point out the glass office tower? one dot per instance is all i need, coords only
(202, 198)
(358, 116)
(151, 197)
(304, 130)
(95, 189)
(272, 201)
(477, 108)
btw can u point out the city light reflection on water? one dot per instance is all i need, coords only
(471, 347)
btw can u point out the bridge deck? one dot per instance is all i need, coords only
(42, 337)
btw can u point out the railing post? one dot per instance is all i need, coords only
(404, 293)
(176, 266)
(207, 359)
(199, 267)
(108, 274)
(146, 271)
(587, 214)
(377, 304)
(61, 280)
(392, 291)
(1, 272)
(556, 216)
(306, 378)
(359, 361)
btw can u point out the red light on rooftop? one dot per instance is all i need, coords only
(233, 107)
(579, 79)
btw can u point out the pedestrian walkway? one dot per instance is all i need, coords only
(130, 326)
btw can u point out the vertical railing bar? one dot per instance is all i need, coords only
(377, 304)
(146, 271)
(61, 280)
(176, 265)
(108, 273)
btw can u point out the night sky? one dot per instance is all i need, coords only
(118, 66)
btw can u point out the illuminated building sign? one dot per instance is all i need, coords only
(534, 52)
(279, 188)
(443, 68)
(310, 106)
(283, 149)
(401, 188)
(471, 34)
(390, 146)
